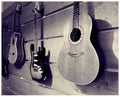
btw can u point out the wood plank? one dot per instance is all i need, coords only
(26, 17)
(106, 11)
(28, 32)
(51, 6)
(54, 81)
(50, 25)
(27, 87)
(56, 21)
(6, 5)
(106, 85)
(98, 88)
(7, 91)
(27, 13)
(112, 70)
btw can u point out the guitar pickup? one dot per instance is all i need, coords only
(41, 71)
(35, 60)
(35, 55)
(35, 65)
(38, 66)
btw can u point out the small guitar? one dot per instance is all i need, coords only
(78, 61)
(16, 51)
(37, 53)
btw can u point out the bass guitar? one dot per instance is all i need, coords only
(37, 53)
(16, 51)
(78, 61)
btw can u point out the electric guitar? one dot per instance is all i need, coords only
(16, 51)
(78, 61)
(37, 53)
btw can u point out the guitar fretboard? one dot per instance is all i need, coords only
(17, 13)
(16, 22)
(76, 15)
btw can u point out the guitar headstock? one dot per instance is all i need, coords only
(18, 8)
(39, 8)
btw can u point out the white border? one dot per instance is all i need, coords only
(58, 1)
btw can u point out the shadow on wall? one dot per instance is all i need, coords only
(20, 65)
(105, 83)
(106, 41)
(48, 73)
(104, 79)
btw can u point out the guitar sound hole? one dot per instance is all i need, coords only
(75, 34)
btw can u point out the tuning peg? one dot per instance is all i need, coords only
(18, 8)
(37, 9)
(37, 6)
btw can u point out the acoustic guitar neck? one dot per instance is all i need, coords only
(76, 15)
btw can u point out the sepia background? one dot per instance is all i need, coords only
(105, 16)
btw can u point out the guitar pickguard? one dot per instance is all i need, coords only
(37, 63)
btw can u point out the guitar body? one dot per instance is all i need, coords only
(16, 52)
(37, 63)
(78, 61)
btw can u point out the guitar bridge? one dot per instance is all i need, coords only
(75, 55)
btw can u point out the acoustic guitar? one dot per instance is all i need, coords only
(78, 61)
(16, 51)
(37, 53)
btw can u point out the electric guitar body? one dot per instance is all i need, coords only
(78, 61)
(37, 62)
(16, 51)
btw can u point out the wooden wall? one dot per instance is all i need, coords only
(105, 19)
